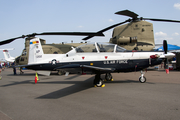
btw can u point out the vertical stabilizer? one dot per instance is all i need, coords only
(7, 56)
(35, 51)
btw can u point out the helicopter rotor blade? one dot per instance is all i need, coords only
(10, 40)
(128, 13)
(105, 29)
(70, 33)
(162, 20)
(53, 33)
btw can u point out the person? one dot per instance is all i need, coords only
(0, 67)
(14, 68)
(0, 71)
(21, 72)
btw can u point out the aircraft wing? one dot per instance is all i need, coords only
(73, 66)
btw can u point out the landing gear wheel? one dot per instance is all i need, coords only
(108, 77)
(142, 79)
(98, 83)
(60, 72)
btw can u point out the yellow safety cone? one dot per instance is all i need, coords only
(37, 76)
(35, 81)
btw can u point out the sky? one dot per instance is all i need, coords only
(22, 17)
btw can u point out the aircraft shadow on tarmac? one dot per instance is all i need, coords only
(76, 87)
(17, 83)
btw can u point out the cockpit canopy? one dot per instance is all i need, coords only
(99, 47)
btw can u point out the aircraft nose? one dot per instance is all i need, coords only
(169, 55)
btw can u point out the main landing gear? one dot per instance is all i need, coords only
(142, 79)
(99, 82)
(108, 77)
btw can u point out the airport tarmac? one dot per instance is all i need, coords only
(73, 97)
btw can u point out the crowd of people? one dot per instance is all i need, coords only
(7, 65)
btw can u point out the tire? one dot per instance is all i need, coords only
(108, 76)
(98, 83)
(142, 79)
(60, 72)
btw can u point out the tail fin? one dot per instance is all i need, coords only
(35, 51)
(7, 56)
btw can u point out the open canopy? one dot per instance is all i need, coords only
(99, 47)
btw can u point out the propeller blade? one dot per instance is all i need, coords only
(128, 13)
(105, 29)
(166, 64)
(165, 46)
(162, 20)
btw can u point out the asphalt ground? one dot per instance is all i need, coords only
(73, 97)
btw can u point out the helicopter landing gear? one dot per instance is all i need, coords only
(108, 77)
(142, 79)
(98, 82)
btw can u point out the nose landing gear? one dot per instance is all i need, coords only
(142, 79)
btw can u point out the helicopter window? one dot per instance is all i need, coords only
(24, 53)
(103, 47)
(120, 49)
(86, 48)
(22, 59)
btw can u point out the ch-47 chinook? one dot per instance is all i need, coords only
(135, 35)
(94, 58)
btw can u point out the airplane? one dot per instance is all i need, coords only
(7, 55)
(95, 58)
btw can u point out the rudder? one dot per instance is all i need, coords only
(35, 51)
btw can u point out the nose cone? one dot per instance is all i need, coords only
(169, 55)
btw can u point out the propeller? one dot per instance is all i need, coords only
(53, 33)
(134, 17)
(166, 63)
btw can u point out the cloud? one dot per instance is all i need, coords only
(177, 5)
(80, 26)
(175, 34)
(111, 20)
(160, 34)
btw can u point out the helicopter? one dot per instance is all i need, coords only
(135, 35)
